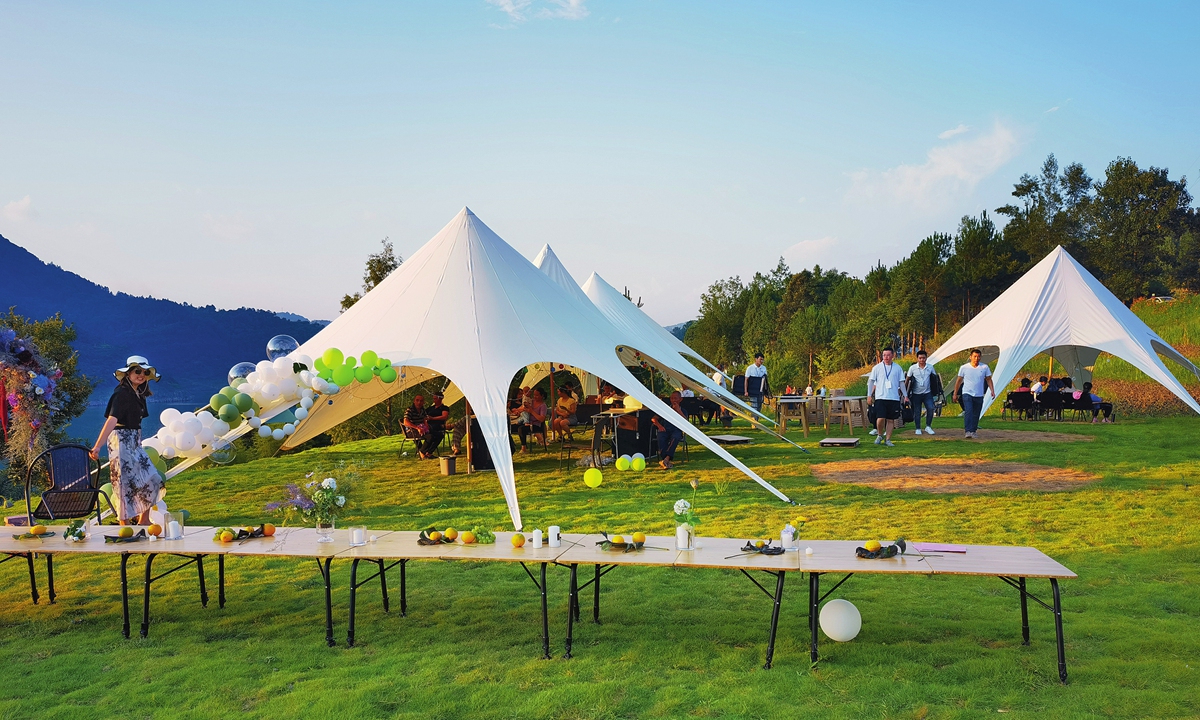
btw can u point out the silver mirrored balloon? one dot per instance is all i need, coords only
(281, 346)
(239, 372)
(223, 452)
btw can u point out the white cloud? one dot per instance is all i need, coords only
(1053, 109)
(228, 227)
(519, 10)
(806, 253)
(953, 131)
(948, 172)
(19, 210)
(565, 9)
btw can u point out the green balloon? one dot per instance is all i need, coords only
(623, 463)
(229, 392)
(388, 375)
(237, 383)
(160, 465)
(243, 402)
(369, 358)
(343, 375)
(332, 357)
(326, 374)
(151, 453)
(639, 464)
(364, 374)
(593, 477)
(383, 362)
(216, 402)
(319, 365)
(228, 413)
(351, 361)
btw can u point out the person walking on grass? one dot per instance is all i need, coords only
(756, 381)
(885, 390)
(923, 386)
(973, 378)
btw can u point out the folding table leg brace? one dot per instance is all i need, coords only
(545, 617)
(197, 560)
(777, 599)
(33, 591)
(573, 600)
(355, 584)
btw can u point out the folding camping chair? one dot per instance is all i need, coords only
(1018, 404)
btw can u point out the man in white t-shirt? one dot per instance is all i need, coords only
(757, 389)
(923, 385)
(885, 389)
(973, 378)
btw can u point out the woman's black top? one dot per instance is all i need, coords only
(127, 407)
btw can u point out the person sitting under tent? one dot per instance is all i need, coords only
(1098, 404)
(1039, 387)
(1025, 386)
(438, 415)
(564, 414)
(669, 436)
(1067, 385)
(416, 423)
(532, 420)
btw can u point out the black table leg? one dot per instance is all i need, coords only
(383, 586)
(50, 577)
(125, 593)
(545, 619)
(221, 581)
(32, 578)
(774, 619)
(324, 568)
(353, 594)
(596, 597)
(572, 601)
(403, 590)
(146, 597)
(1024, 612)
(1058, 632)
(814, 597)
(200, 572)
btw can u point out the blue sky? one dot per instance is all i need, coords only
(255, 153)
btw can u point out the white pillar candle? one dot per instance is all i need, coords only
(554, 536)
(537, 538)
(356, 536)
(174, 531)
(682, 537)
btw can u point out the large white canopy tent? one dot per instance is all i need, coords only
(471, 308)
(1061, 309)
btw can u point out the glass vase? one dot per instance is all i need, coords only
(684, 536)
(325, 531)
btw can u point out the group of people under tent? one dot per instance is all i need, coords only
(530, 417)
(1101, 409)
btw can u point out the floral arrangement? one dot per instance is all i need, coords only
(27, 385)
(318, 500)
(685, 514)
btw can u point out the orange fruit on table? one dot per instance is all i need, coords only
(248, 529)
(435, 535)
(37, 530)
(872, 545)
(450, 534)
(227, 536)
(125, 532)
(468, 537)
(154, 530)
(759, 543)
(268, 529)
(618, 539)
(518, 540)
(639, 537)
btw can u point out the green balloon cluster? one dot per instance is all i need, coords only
(343, 370)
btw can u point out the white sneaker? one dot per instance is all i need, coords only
(918, 431)
(889, 443)
(878, 439)
(967, 436)
(873, 432)
(928, 430)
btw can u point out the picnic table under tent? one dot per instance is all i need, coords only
(1060, 309)
(468, 306)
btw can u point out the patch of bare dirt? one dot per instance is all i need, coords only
(1014, 436)
(951, 475)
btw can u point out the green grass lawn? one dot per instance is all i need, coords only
(672, 643)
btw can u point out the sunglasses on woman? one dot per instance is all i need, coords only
(141, 371)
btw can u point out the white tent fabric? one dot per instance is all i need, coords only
(1061, 309)
(539, 371)
(469, 306)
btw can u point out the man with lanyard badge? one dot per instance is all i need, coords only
(885, 389)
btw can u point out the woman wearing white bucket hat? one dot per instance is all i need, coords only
(135, 479)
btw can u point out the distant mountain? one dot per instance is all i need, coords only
(680, 329)
(300, 318)
(192, 347)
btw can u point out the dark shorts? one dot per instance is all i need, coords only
(887, 409)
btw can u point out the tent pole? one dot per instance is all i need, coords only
(467, 423)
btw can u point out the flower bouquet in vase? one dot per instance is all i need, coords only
(319, 501)
(686, 521)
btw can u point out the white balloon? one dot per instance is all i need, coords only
(270, 392)
(249, 413)
(185, 416)
(303, 360)
(192, 425)
(206, 418)
(318, 384)
(307, 393)
(185, 441)
(331, 388)
(840, 620)
(268, 375)
(153, 442)
(167, 439)
(278, 434)
(168, 416)
(638, 456)
(252, 378)
(288, 388)
(262, 366)
(168, 452)
(176, 427)
(255, 422)
(264, 431)
(288, 428)
(206, 436)
(306, 402)
(219, 428)
(300, 413)
(282, 366)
